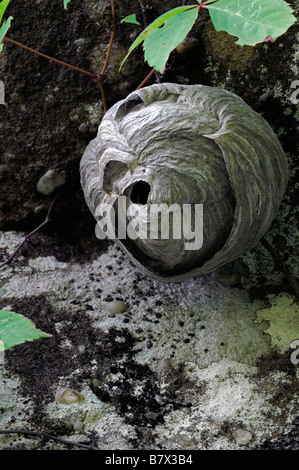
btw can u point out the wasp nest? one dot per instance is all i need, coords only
(197, 148)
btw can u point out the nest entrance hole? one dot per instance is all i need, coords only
(140, 192)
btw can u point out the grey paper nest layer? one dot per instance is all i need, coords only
(176, 144)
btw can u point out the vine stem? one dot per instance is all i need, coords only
(50, 58)
(98, 78)
(152, 72)
(111, 40)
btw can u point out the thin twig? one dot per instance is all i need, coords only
(98, 78)
(103, 94)
(111, 40)
(152, 72)
(45, 435)
(101, 77)
(27, 237)
(282, 266)
(45, 222)
(60, 62)
(145, 9)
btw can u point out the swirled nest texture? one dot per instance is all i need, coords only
(187, 145)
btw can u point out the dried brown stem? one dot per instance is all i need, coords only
(152, 72)
(60, 62)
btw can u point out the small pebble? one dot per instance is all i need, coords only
(68, 396)
(29, 204)
(96, 383)
(124, 87)
(78, 426)
(280, 242)
(83, 128)
(133, 35)
(186, 45)
(46, 263)
(164, 365)
(229, 279)
(265, 96)
(242, 437)
(40, 208)
(50, 181)
(116, 306)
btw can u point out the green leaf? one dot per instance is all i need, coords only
(251, 21)
(130, 19)
(160, 21)
(3, 6)
(159, 42)
(3, 30)
(16, 329)
(65, 3)
(6, 24)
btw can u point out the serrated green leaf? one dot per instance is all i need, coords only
(159, 42)
(130, 19)
(160, 21)
(65, 3)
(3, 6)
(252, 21)
(16, 329)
